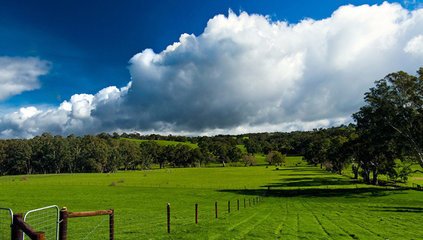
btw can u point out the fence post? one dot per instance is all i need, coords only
(112, 225)
(16, 232)
(237, 204)
(63, 225)
(41, 236)
(215, 208)
(229, 206)
(196, 213)
(168, 217)
(244, 204)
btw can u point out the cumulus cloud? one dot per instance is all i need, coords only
(246, 73)
(18, 75)
(415, 46)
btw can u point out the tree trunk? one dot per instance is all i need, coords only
(366, 176)
(375, 180)
(420, 155)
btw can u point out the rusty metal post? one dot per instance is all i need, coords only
(168, 217)
(63, 226)
(112, 225)
(16, 231)
(196, 213)
(215, 208)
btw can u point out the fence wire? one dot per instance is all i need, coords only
(44, 220)
(94, 227)
(153, 224)
(6, 218)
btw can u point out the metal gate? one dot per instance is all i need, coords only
(6, 220)
(45, 219)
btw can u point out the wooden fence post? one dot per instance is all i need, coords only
(196, 213)
(63, 225)
(16, 231)
(168, 217)
(19, 226)
(215, 208)
(112, 225)
(41, 236)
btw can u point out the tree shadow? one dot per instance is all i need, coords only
(305, 174)
(311, 181)
(316, 192)
(397, 209)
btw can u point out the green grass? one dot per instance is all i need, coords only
(303, 202)
(242, 148)
(163, 142)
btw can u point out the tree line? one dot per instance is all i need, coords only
(107, 153)
(388, 127)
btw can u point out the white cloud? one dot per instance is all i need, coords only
(415, 46)
(245, 73)
(20, 74)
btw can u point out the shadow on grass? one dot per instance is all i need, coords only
(398, 209)
(311, 182)
(316, 192)
(305, 174)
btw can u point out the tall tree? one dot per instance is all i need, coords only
(397, 100)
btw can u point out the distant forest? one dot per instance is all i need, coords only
(388, 128)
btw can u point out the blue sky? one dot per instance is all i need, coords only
(85, 46)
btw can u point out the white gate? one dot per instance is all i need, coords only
(6, 220)
(45, 220)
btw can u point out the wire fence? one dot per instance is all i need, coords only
(6, 218)
(157, 223)
(183, 218)
(96, 227)
(45, 220)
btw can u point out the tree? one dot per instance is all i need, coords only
(337, 153)
(75, 147)
(129, 154)
(151, 152)
(318, 147)
(377, 150)
(18, 157)
(2, 157)
(249, 160)
(94, 154)
(197, 157)
(275, 158)
(398, 101)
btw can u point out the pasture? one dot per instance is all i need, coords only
(300, 202)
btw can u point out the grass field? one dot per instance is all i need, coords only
(303, 202)
(163, 142)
